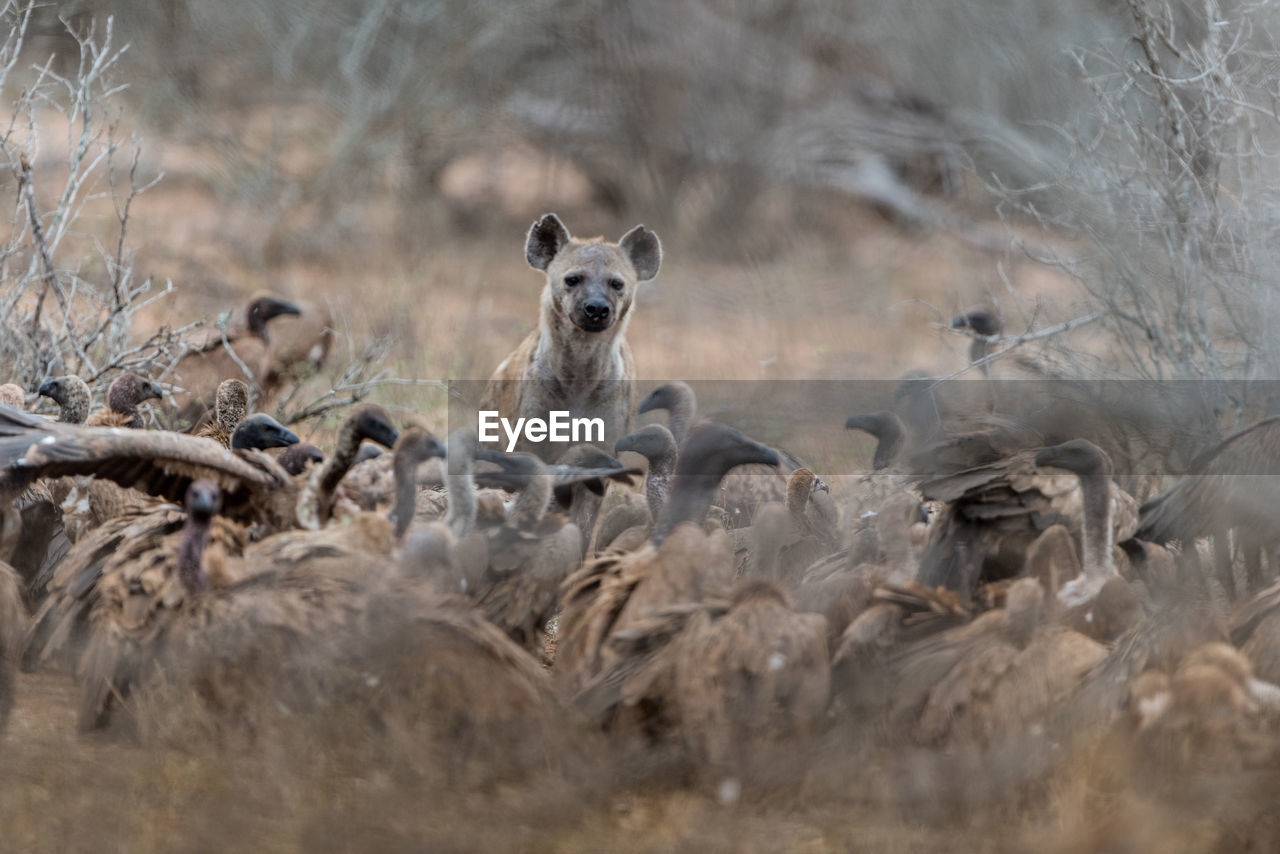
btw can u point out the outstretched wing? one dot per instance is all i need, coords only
(156, 462)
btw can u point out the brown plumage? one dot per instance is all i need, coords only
(1205, 738)
(811, 531)
(285, 642)
(760, 671)
(124, 395)
(610, 596)
(230, 407)
(13, 613)
(255, 489)
(12, 395)
(994, 513)
(530, 555)
(1180, 615)
(200, 371)
(316, 502)
(1223, 493)
(366, 540)
(1001, 674)
(300, 343)
(296, 459)
(72, 396)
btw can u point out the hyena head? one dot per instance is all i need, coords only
(590, 282)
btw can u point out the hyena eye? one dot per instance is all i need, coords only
(572, 281)
(617, 284)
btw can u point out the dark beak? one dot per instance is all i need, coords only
(435, 448)
(277, 307)
(283, 436)
(46, 388)
(651, 402)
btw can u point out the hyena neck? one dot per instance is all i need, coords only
(576, 358)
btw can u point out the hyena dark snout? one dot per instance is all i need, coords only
(595, 307)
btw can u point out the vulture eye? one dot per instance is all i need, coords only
(572, 281)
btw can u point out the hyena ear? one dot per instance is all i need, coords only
(644, 250)
(547, 237)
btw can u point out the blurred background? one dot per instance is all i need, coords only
(832, 181)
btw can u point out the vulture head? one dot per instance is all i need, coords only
(72, 396)
(128, 390)
(886, 428)
(655, 443)
(263, 309)
(1079, 456)
(296, 458)
(261, 431)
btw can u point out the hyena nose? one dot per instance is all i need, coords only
(596, 309)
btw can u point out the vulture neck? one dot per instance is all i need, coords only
(404, 468)
(336, 467)
(1095, 532)
(229, 414)
(680, 413)
(531, 504)
(122, 400)
(195, 537)
(691, 497)
(657, 484)
(75, 409)
(460, 518)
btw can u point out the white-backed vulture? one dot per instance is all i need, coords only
(127, 534)
(296, 459)
(124, 395)
(365, 540)
(231, 405)
(811, 534)
(286, 642)
(317, 499)
(657, 445)
(612, 596)
(1003, 673)
(745, 489)
(255, 489)
(300, 343)
(760, 671)
(13, 615)
(72, 396)
(1204, 735)
(200, 371)
(985, 323)
(994, 513)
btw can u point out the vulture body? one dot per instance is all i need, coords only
(746, 488)
(247, 338)
(994, 512)
(1229, 488)
(623, 610)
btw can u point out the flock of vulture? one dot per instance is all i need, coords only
(719, 599)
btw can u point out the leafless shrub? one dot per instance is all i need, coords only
(1169, 201)
(68, 296)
